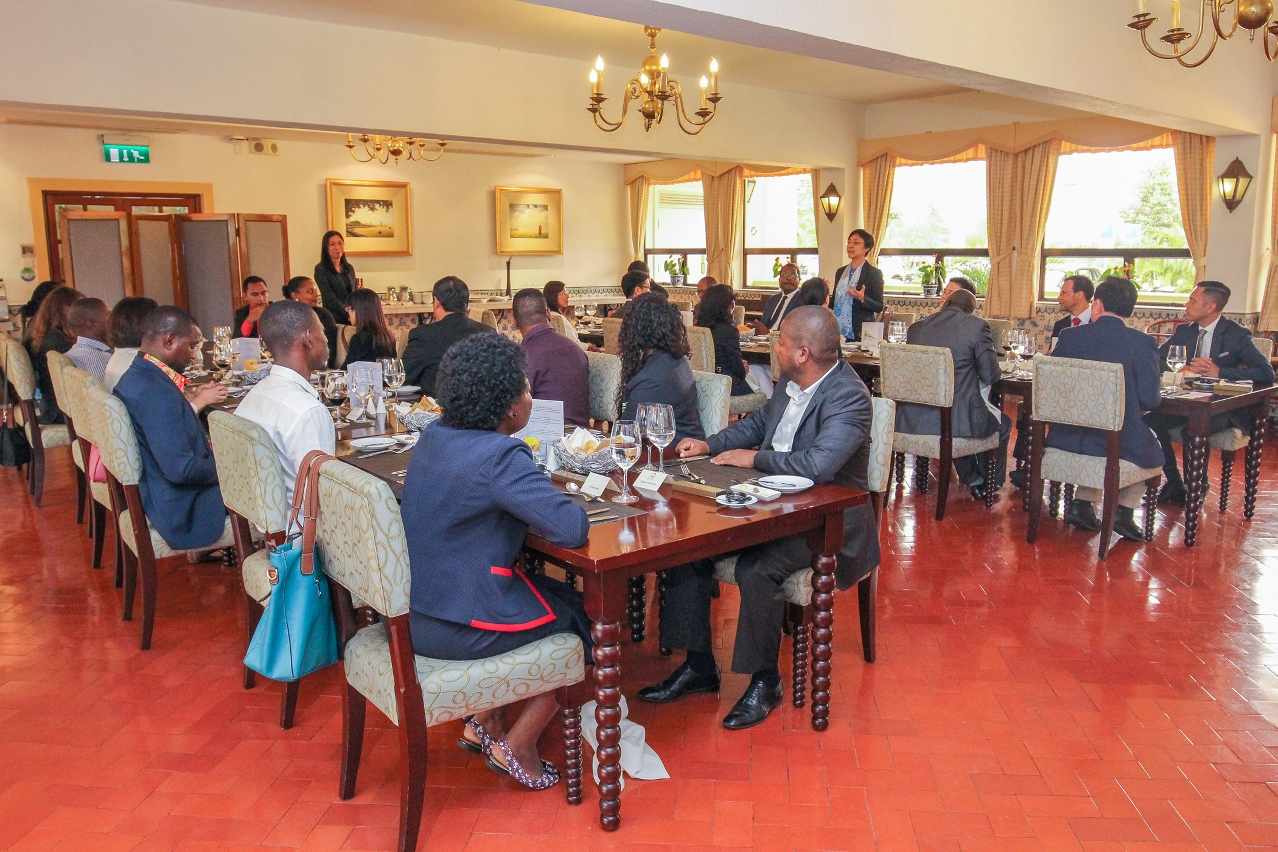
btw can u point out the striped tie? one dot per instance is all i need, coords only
(1198, 350)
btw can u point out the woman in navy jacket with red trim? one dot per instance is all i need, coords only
(471, 494)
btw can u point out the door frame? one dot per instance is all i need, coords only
(179, 294)
(126, 251)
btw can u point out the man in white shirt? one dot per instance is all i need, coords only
(285, 403)
(1075, 299)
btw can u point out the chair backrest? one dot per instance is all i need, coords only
(714, 396)
(249, 472)
(604, 376)
(738, 314)
(1265, 345)
(1161, 330)
(116, 441)
(359, 535)
(1079, 393)
(562, 325)
(999, 329)
(682, 304)
(612, 335)
(918, 374)
(485, 316)
(882, 431)
(701, 344)
(75, 384)
(57, 364)
(773, 337)
(344, 335)
(897, 316)
(18, 368)
(401, 333)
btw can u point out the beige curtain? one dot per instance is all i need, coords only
(877, 177)
(815, 175)
(724, 205)
(1018, 195)
(1269, 307)
(1195, 162)
(639, 216)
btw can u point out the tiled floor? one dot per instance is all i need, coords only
(1024, 698)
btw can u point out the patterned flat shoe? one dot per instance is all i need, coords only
(485, 744)
(549, 774)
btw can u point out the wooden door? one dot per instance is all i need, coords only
(263, 250)
(96, 255)
(209, 267)
(155, 258)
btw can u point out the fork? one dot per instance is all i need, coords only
(683, 468)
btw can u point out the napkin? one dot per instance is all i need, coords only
(583, 443)
(638, 760)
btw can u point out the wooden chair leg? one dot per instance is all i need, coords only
(991, 471)
(412, 796)
(148, 578)
(1054, 499)
(799, 659)
(922, 473)
(252, 615)
(638, 607)
(130, 582)
(119, 556)
(97, 522)
(1067, 493)
(1109, 507)
(37, 476)
(1034, 494)
(1151, 506)
(944, 473)
(1226, 475)
(354, 707)
(288, 704)
(898, 462)
(81, 496)
(867, 593)
(570, 718)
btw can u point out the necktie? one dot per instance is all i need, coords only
(1198, 350)
(1076, 322)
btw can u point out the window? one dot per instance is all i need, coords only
(1114, 208)
(938, 211)
(780, 228)
(676, 229)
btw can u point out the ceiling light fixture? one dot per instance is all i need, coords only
(383, 149)
(1252, 15)
(653, 87)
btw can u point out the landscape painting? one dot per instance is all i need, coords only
(529, 220)
(375, 217)
(369, 217)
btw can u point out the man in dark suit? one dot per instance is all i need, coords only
(1075, 299)
(970, 340)
(775, 309)
(428, 343)
(633, 284)
(819, 428)
(179, 479)
(858, 287)
(256, 298)
(1107, 338)
(1216, 347)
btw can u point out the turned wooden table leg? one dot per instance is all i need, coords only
(1251, 462)
(822, 637)
(1029, 452)
(1054, 499)
(661, 611)
(570, 716)
(1226, 475)
(607, 654)
(922, 471)
(637, 610)
(1195, 484)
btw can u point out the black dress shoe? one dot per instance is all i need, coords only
(977, 491)
(753, 708)
(1125, 525)
(682, 681)
(1079, 513)
(1172, 492)
(1019, 479)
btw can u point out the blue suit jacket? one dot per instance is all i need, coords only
(1109, 339)
(179, 480)
(470, 497)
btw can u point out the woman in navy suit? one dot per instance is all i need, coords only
(471, 494)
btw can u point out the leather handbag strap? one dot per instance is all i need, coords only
(306, 500)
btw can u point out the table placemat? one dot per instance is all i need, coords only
(717, 477)
(385, 466)
(607, 511)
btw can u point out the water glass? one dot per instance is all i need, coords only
(625, 452)
(1177, 357)
(222, 334)
(590, 311)
(362, 385)
(660, 427)
(642, 414)
(896, 331)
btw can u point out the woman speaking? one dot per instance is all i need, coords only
(334, 276)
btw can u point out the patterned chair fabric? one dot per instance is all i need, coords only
(701, 344)
(485, 316)
(773, 337)
(929, 446)
(248, 471)
(344, 335)
(1079, 393)
(882, 429)
(682, 304)
(999, 328)
(897, 316)
(612, 335)
(117, 443)
(714, 400)
(562, 325)
(919, 374)
(604, 373)
(161, 547)
(746, 403)
(256, 571)
(453, 689)
(19, 369)
(1265, 345)
(796, 589)
(57, 363)
(401, 338)
(1089, 471)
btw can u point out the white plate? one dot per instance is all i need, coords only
(786, 484)
(723, 500)
(407, 390)
(373, 443)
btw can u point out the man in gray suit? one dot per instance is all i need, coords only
(819, 428)
(969, 338)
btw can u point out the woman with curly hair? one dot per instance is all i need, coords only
(715, 312)
(471, 495)
(372, 338)
(654, 364)
(50, 332)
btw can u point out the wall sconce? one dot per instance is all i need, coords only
(1233, 183)
(830, 202)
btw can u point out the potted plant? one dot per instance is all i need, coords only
(932, 277)
(677, 269)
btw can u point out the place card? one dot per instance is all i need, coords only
(595, 484)
(650, 480)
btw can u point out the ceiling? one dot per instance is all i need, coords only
(555, 32)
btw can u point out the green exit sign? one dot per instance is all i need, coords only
(126, 153)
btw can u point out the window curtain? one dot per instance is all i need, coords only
(1018, 193)
(815, 176)
(639, 215)
(1269, 307)
(724, 204)
(1195, 162)
(877, 177)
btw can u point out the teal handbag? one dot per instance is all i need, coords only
(297, 635)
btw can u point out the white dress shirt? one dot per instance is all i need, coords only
(785, 300)
(121, 360)
(288, 408)
(1203, 349)
(783, 437)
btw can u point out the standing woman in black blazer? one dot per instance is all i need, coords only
(654, 364)
(858, 287)
(303, 289)
(372, 339)
(334, 275)
(716, 312)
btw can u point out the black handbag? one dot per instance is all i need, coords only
(14, 449)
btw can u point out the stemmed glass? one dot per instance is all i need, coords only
(625, 452)
(590, 311)
(335, 389)
(896, 331)
(222, 355)
(393, 377)
(1177, 357)
(1012, 342)
(363, 388)
(1024, 346)
(643, 417)
(222, 334)
(660, 427)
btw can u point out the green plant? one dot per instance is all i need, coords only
(931, 274)
(777, 263)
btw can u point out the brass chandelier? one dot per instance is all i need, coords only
(383, 149)
(653, 87)
(1252, 15)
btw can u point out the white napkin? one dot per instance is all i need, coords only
(638, 760)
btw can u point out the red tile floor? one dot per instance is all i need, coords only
(1024, 698)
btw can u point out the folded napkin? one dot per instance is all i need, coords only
(638, 760)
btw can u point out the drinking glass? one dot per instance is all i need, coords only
(362, 385)
(335, 389)
(1177, 357)
(660, 426)
(1024, 344)
(1011, 342)
(642, 418)
(393, 378)
(625, 452)
(222, 334)
(896, 331)
(590, 311)
(577, 312)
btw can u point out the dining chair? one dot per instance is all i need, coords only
(251, 478)
(58, 363)
(41, 437)
(603, 372)
(401, 333)
(485, 316)
(738, 314)
(999, 329)
(562, 325)
(924, 375)
(344, 335)
(701, 348)
(101, 514)
(1092, 394)
(682, 304)
(897, 316)
(612, 335)
(1162, 330)
(143, 545)
(360, 538)
(714, 400)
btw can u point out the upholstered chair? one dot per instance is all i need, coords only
(100, 514)
(604, 376)
(896, 316)
(401, 333)
(714, 399)
(562, 325)
(21, 374)
(344, 335)
(701, 349)
(773, 337)
(57, 364)
(611, 327)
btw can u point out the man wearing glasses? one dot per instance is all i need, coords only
(779, 305)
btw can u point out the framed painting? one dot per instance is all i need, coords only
(529, 221)
(374, 217)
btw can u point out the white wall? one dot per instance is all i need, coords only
(954, 112)
(452, 203)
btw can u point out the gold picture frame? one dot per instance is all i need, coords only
(529, 220)
(375, 217)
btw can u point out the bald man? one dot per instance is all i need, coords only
(820, 429)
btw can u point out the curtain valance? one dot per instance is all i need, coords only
(676, 171)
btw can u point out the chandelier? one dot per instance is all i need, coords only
(383, 149)
(1251, 15)
(653, 87)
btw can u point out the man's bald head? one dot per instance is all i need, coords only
(815, 329)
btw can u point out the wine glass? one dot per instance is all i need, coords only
(590, 311)
(1177, 357)
(577, 312)
(625, 452)
(1024, 345)
(393, 378)
(1011, 342)
(896, 331)
(222, 334)
(660, 426)
(335, 389)
(642, 418)
(362, 386)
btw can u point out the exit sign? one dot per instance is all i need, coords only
(115, 153)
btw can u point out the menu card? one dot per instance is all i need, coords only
(372, 366)
(546, 423)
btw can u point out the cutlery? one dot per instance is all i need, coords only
(376, 453)
(573, 489)
(601, 518)
(598, 512)
(683, 468)
(405, 448)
